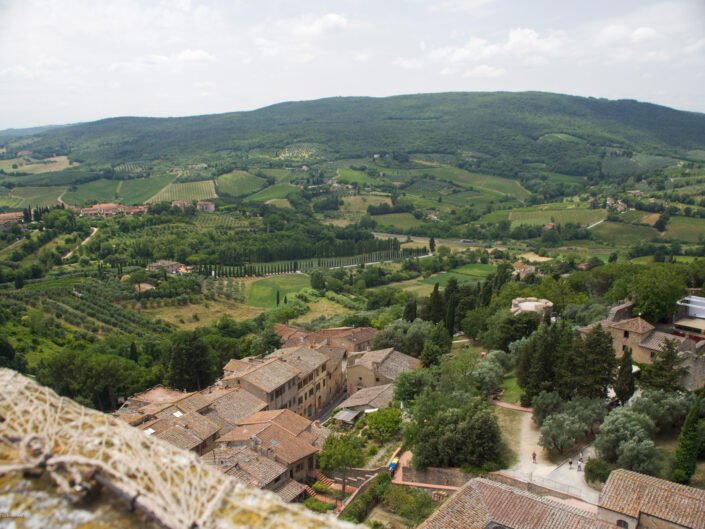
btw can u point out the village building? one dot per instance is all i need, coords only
(527, 305)
(179, 204)
(205, 206)
(256, 470)
(376, 368)
(523, 270)
(300, 379)
(486, 504)
(352, 339)
(631, 500)
(281, 435)
(366, 400)
(645, 342)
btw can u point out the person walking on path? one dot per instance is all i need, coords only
(580, 466)
(570, 463)
(533, 457)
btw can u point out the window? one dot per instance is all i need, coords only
(626, 334)
(177, 413)
(623, 524)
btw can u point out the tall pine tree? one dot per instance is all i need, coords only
(625, 385)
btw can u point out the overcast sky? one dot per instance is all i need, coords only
(66, 61)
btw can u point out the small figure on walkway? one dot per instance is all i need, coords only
(580, 466)
(570, 463)
(533, 457)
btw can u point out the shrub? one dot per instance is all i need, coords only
(321, 488)
(318, 506)
(408, 503)
(597, 469)
(360, 507)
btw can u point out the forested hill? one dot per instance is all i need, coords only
(512, 127)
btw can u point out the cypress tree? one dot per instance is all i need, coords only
(624, 386)
(689, 441)
(450, 315)
(277, 298)
(410, 310)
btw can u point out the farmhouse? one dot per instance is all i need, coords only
(376, 368)
(171, 267)
(367, 399)
(206, 206)
(112, 209)
(179, 204)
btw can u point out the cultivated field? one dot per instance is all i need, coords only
(31, 166)
(95, 191)
(182, 316)
(263, 292)
(275, 191)
(398, 221)
(22, 197)
(239, 183)
(619, 233)
(323, 308)
(139, 190)
(350, 176)
(689, 229)
(476, 269)
(187, 191)
(583, 216)
(223, 220)
(280, 203)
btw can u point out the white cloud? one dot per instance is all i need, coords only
(484, 70)
(467, 6)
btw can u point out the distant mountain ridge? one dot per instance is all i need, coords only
(511, 128)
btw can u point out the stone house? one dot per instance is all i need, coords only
(375, 368)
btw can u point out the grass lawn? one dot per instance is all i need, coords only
(350, 176)
(31, 166)
(263, 292)
(414, 286)
(398, 221)
(512, 392)
(443, 278)
(96, 191)
(182, 316)
(322, 308)
(687, 229)
(583, 216)
(187, 191)
(280, 203)
(239, 183)
(359, 203)
(275, 191)
(623, 234)
(476, 269)
(510, 426)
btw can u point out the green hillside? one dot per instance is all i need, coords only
(498, 132)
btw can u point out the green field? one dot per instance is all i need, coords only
(239, 183)
(623, 234)
(495, 185)
(187, 191)
(95, 191)
(443, 278)
(263, 292)
(355, 206)
(280, 203)
(350, 176)
(400, 221)
(560, 136)
(689, 229)
(275, 191)
(22, 197)
(139, 190)
(476, 269)
(583, 216)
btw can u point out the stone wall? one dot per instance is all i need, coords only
(450, 477)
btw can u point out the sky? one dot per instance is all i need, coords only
(67, 61)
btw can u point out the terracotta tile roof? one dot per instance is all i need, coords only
(289, 490)
(193, 402)
(286, 419)
(335, 354)
(305, 359)
(181, 437)
(374, 397)
(271, 374)
(158, 394)
(293, 336)
(245, 464)
(481, 502)
(242, 433)
(285, 331)
(657, 340)
(605, 326)
(285, 447)
(631, 493)
(232, 407)
(637, 325)
(389, 362)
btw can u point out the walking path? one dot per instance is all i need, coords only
(507, 405)
(93, 232)
(595, 224)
